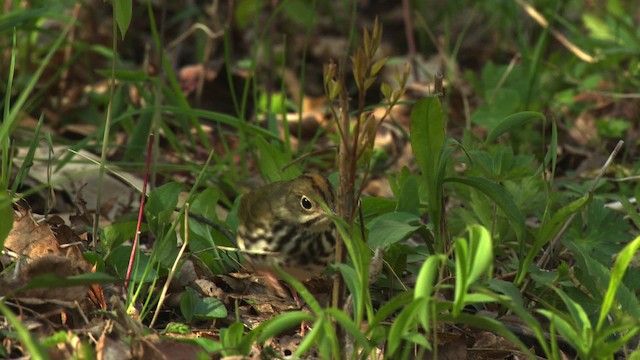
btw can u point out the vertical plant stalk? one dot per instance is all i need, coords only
(107, 128)
(345, 189)
(143, 196)
(411, 42)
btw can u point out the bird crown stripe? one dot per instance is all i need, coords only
(322, 187)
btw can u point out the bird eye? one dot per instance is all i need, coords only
(306, 203)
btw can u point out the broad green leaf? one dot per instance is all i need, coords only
(480, 250)
(498, 194)
(119, 232)
(232, 338)
(119, 259)
(351, 280)
(505, 102)
(273, 160)
(424, 284)
(187, 302)
(208, 308)
(514, 121)
(159, 211)
(462, 275)
(162, 204)
(409, 199)
(427, 141)
(391, 228)
(427, 275)
(123, 9)
(508, 289)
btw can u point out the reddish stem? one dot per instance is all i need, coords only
(136, 239)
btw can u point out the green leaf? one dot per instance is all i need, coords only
(301, 12)
(427, 140)
(350, 327)
(162, 204)
(424, 284)
(187, 302)
(280, 324)
(473, 258)
(26, 163)
(6, 212)
(462, 275)
(123, 9)
(508, 289)
(300, 288)
(514, 121)
(17, 17)
(409, 199)
(568, 332)
(273, 160)
(232, 338)
(619, 268)
(390, 307)
(119, 232)
(548, 230)
(392, 227)
(50, 280)
(119, 259)
(403, 325)
(579, 317)
(505, 102)
(207, 308)
(498, 194)
(480, 250)
(9, 121)
(246, 11)
(311, 339)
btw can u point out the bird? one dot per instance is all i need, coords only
(288, 223)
